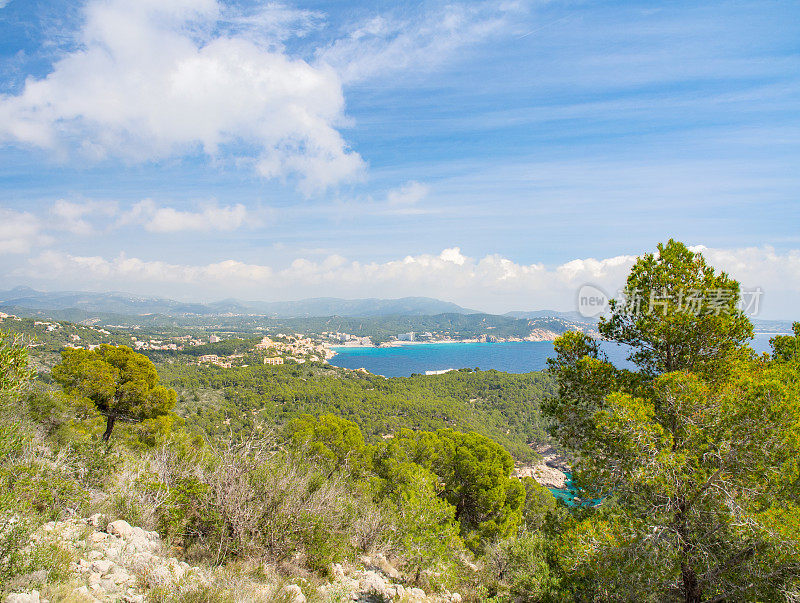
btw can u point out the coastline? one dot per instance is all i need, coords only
(534, 337)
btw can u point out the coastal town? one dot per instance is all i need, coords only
(228, 348)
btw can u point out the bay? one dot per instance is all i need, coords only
(510, 356)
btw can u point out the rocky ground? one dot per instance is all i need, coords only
(114, 561)
(549, 472)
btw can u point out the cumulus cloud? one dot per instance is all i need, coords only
(155, 79)
(133, 270)
(758, 266)
(77, 217)
(20, 231)
(493, 282)
(168, 219)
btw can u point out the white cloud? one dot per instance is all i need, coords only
(758, 267)
(384, 45)
(493, 283)
(410, 193)
(77, 217)
(168, 219)
(20, 231)
(155, 79)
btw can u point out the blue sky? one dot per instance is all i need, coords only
(497, 154)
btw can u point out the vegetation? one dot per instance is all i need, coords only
(687, 464)
(120, 383)
(695, 454)
(232, 402)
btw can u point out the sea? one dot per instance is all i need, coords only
(510, 356)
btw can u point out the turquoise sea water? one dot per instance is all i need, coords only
(511, 357)
(570, 495)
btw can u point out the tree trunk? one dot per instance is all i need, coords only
(109, 426)
(691, 586)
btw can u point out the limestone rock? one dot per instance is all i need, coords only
(102, 566)
(24, 598)
(295, 593)
(372, 583)
(83, 594)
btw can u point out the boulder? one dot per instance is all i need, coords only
(102, 566)
(373, 584)
(98, 520)
(295, 593)
(120, 528)
(24, 597)
(82, 594)
(96, 537)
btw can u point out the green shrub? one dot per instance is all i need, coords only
(41, 489)
(14, 533)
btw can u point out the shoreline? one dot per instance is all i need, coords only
(334, 350)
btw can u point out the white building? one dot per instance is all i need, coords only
(265, 343)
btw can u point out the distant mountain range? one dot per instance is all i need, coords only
(129, 304)
(81, 305)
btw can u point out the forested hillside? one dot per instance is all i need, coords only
(176, 482)
(499, 405)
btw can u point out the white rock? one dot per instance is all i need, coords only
(455, 598)
(373, 583)
(113, 552)
(338, 571)
(120, 576)
(295, 592)
(96, 537)
(141, 562)
(120, 528)
(97, 520)
(24, 597)
(417, 593)
(102, 566)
